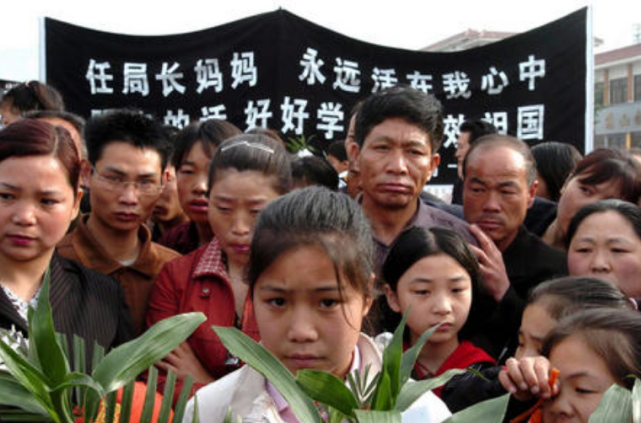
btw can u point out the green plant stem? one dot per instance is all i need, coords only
(62, 405)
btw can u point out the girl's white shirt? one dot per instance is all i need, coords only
(244, 392)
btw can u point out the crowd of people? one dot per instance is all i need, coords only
(534, 268)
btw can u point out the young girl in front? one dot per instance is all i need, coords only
(434, 274)
(247, 172)
(310, 277)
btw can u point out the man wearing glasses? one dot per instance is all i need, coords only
(128, 153)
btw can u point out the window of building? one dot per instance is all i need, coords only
(599, 141)
(637, 87)
(618, 90)
(615, 141)
(598, 94)
(635, 140)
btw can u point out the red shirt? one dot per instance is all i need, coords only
(464, 356)
(199, 282)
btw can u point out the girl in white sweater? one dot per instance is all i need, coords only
(310, 275)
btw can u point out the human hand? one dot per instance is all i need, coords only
(184, 363)
(528, 377)
(495, 280)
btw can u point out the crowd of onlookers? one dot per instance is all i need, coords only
(533, 268)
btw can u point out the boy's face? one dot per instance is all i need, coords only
(125, 208)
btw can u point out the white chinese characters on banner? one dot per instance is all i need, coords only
(330, 118)
(531, 70)
(178, 119)
(499, 120)
(214, 112)
(135, 79)
(383, 78)
(257, 115)
(99, 78)
(420, 81)
(456, 85)
(243, 69)
(208, 75)
(311, 65)
(293, 111)
(347, 76)
(451, 130)
(169, 78)
(494, 82)
(530, 122)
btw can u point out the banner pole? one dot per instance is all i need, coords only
(589, 81)
(42, 48)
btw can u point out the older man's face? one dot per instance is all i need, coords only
(496, 194)
(395, 162)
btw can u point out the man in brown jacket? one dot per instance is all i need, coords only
(128, 153)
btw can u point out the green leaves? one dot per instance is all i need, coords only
(410, 356)
(42, 338)
(40, 381)
(412, 390)
(378, 416)
(615, 406)
(273, 370)
(127, 361)
(490, 411)
(179, 410)
(25, 373)
(397, 370)
(379, 399)
(636, 401)
(12, 392)
(300, 143)
(383, 398)
(326, 388)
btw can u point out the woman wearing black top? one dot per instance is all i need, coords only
(39, 197)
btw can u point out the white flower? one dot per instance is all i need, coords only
(15, 340)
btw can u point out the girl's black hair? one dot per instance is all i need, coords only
(611, 164)
(211, 133)
(314, 170)
(565, 296)
(33, 95)
(418, 243)
(253, 152)
(554, 162)
(315, 216)
(614, 335)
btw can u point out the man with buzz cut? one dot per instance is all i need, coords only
(398, 132)
(499, 186)
(128, 153)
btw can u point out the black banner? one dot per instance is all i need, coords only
(280, 71)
